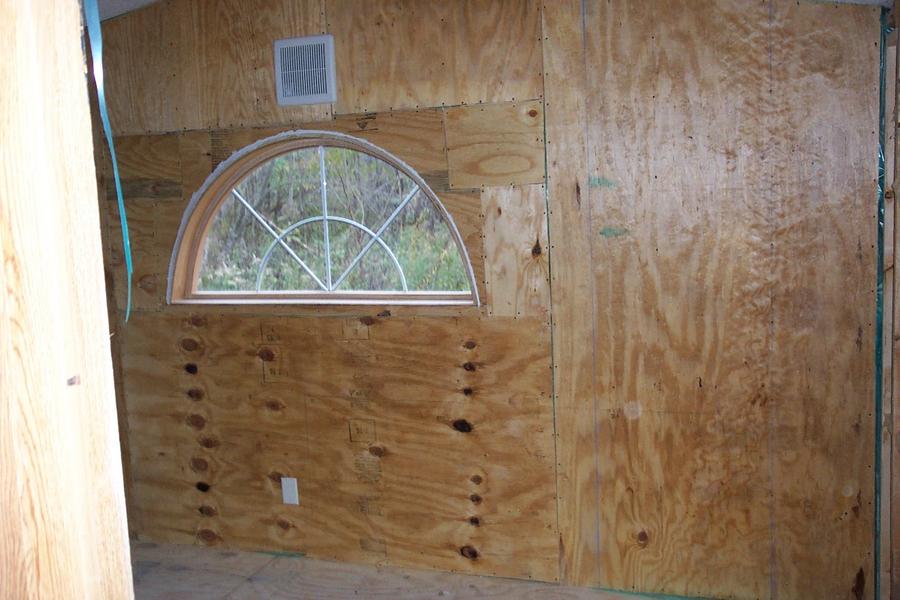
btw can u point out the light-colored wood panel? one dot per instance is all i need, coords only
(63, 531)
(394, 54)
(417, 137)
(151, 173)
(388, 454)
(148, 283)
(517, 276)
(234, 40)
(728, 251)
(152, 227)
(576, 418)
(191, 64)
(822, 377)
(148, 158)
(150, 69)
(666, 511)
(495, 144)
(115, 318)
(202, 64)
(196, 160)
(465, 208)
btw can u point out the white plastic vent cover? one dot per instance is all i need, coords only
(304, 70)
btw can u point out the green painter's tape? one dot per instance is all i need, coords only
(613, 232)
(653, 595)
(601, 182)
(283, 553)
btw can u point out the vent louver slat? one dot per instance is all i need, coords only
(304, 70)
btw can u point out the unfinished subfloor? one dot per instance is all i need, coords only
(170, 571)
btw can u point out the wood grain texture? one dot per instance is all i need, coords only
(146, 87)
(515, 237)
(151, 174)
(201, 64)
(115, 318)
(732, 224)
(497, 144)
(169, 570)
(682, 268)
(394, 54)
(571, 284)
(63, 531)
(823, 306)
(386, 474)
(415, 136)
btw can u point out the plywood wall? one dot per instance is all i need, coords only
(731, 245)
(685, 191)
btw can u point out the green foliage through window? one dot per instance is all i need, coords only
(383, 232)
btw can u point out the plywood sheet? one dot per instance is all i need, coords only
(395, 54)
(387, 472)
(416, 137)
(236, 69)
(150, 69)
(515, 237)
(498, 144)
(150, 168)
(197, 64)
(729, 217)
(576, 417)
(823, 305)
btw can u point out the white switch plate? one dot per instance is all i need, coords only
(290, 494)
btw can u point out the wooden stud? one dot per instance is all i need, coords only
(63, 531)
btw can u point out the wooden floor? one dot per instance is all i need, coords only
(174, 572)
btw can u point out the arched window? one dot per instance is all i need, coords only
(318, 217)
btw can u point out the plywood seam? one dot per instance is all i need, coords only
(593, 295)
(439, 107)
(568, 357)
(333, 116)
(550, 318)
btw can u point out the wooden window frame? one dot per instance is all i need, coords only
(198, 217)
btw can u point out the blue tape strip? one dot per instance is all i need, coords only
(879, 302)
(92, 18)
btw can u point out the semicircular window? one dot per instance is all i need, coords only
(318, 218)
